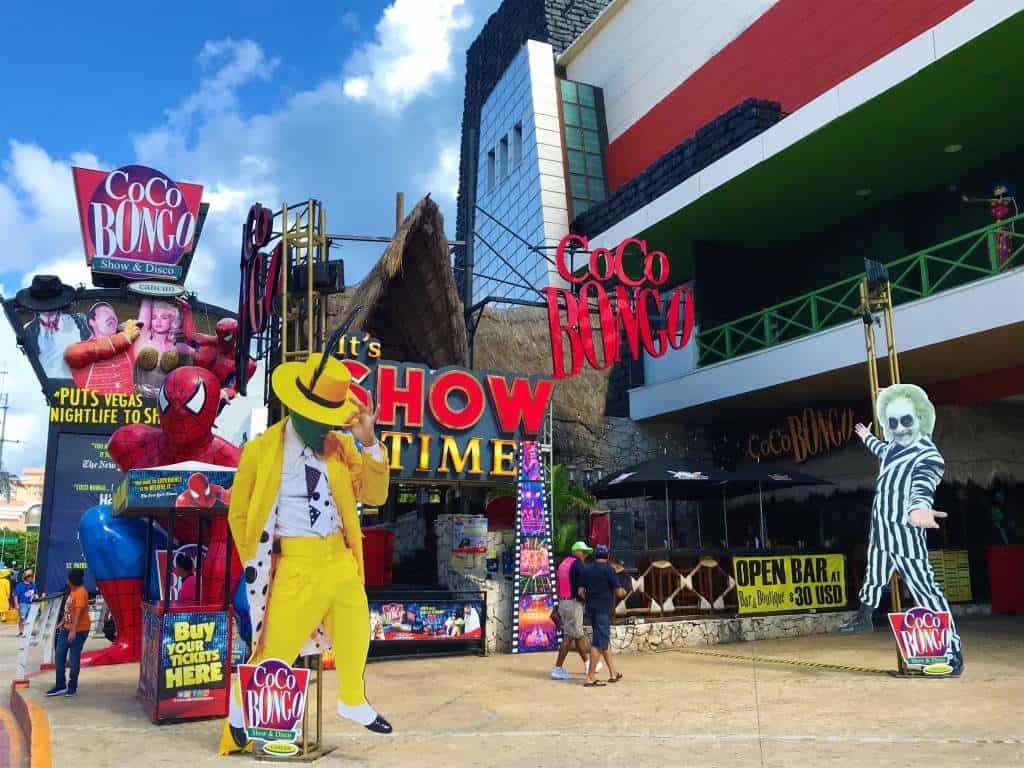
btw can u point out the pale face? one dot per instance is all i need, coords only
(902, 423)
(164, 318)
(104, 322)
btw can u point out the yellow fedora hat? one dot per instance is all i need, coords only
(317, 389)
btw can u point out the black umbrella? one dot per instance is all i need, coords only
(667, 476)
(761, 476)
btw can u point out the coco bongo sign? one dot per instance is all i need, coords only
(619, 304)
(136, 222)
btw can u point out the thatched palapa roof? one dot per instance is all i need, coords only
(409, 298)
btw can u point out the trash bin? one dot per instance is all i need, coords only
(1006, 578)
(378, 553)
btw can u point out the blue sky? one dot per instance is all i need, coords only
(349, 102)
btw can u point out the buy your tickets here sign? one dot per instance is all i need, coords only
(789, 583)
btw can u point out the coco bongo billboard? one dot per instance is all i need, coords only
(137, 223)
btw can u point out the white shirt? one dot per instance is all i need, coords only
(305, 506)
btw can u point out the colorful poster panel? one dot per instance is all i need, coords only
(534, 566)
(537, 630)
(426, 621)
(532, 517)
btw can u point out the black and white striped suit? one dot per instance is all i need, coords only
(907, 480)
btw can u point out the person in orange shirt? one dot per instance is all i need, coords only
(74, 629)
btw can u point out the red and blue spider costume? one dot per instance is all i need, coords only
(115, 547)
(216, 353)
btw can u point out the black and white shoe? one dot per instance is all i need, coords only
(366, 716)
(57, 690)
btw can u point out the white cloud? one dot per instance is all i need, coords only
(413, 47)
(443, 181)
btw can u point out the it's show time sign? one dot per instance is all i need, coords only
(450, 423)
(137, 223)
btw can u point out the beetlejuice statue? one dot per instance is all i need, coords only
(911, 469)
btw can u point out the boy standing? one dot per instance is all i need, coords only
(601, 585)
(24, 594)
(71, 636)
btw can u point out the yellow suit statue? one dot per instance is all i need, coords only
(293, 518)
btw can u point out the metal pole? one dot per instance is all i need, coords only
(760, 507)
(668, 522)
(725, 517)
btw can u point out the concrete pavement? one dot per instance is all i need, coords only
(671, 709)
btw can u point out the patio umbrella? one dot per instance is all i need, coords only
(761, 476)
(667, 476)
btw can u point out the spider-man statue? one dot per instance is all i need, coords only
(217, 353)
(115, 547)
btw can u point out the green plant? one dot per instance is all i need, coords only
(567, 499)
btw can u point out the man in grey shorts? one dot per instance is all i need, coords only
(570, 610)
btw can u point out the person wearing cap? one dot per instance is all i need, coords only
(601, 587)
(295, 494)
(570, 610)
(24, 594)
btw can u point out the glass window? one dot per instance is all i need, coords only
(586, 95)
(503, 157)
(578, 184)
(517, 144)
(579, 206)
(588, 118)
(568, 91)
(591, 142)
(491, 169)
(574, 138)
(576, 162)
(572, 114)
(593, 165)
(596, 189)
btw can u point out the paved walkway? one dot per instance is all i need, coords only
(671, 709)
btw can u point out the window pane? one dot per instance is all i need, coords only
(573, 138)
(576, 162)
(589, 118)
(568, 91)
(594, 165)
(579, 206)
(586, 94)
(517, 144)
(596, 189)
(591, 142)
(572, 114)
(578, 184)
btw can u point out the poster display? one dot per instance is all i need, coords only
(83, 477)
(534, 587)
(469, 544)
(426, 620)
(185, 665)
(790, 583)
(110, 344)
(923, 637)
(273, 705)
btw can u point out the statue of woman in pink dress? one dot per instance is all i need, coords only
(162, 345)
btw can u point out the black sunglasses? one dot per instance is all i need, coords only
(906, 421)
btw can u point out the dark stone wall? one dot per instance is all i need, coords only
(712, 141)
(557, 22)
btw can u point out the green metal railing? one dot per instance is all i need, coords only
(964, 259)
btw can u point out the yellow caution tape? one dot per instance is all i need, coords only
(788, 662)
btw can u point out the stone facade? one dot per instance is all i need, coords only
(497, 588)
(689, 633)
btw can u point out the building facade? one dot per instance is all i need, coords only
(769, 147)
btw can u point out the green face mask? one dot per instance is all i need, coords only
(311, 432)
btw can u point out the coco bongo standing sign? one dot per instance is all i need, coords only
(625, 308)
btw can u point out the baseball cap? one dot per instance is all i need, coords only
(601, 551)
(581, 546)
